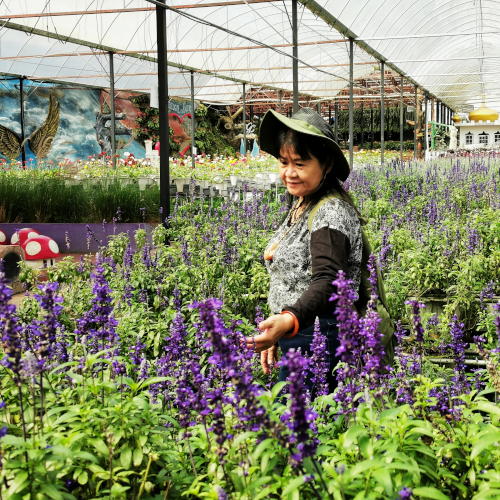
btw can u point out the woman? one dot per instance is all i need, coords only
(304, 256)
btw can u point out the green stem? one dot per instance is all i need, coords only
(143, 482)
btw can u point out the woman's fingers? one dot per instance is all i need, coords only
(260, 342)
(264, 362)
(268, 359)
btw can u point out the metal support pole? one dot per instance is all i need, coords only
(112, 108)
(382, 111)
(295, 60)
(244, 122)
(336, 127)
(193, 121)
(362, 125)
(401, 124)
(351, 103)
(21, 104)
(425, 120)
(161, 29)
(371, 127)
(416, 125)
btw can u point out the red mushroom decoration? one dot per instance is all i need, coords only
(3, 238)
(40, 251)
(21, 235)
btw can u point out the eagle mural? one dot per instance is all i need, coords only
(38, 143)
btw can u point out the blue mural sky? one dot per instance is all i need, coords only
(76, 135)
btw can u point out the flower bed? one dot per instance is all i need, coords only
(135, 384)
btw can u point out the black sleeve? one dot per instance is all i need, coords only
(329, 253)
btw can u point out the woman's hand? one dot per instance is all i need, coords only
(268, 359)
(273, 328)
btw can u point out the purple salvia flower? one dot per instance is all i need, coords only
(474, 240)
(47, 346)
(259, 317)
(299, 418)
(99, 324)
(404, 389)
(221, 493)
(10, 328)
(405, 493)
(177, 299)
(319, 362)
(487, 293)
(372, 268)
(350, 342)
(186, 256)
(446, 402)
(416, 307)
(458, 346)
(136, 353)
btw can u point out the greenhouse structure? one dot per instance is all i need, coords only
(249, 249)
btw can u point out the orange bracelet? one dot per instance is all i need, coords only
(295, 325)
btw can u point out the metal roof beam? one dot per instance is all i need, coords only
(92, 45)
(147, 51)
(332, 21)
(132, 9)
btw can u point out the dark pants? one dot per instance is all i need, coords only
(303, 339)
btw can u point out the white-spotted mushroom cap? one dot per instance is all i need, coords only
(21, 235)
(3, 238)
(40, 247)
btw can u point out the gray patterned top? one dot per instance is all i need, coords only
(304, 264)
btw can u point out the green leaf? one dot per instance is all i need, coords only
(126, 458)
(277, 389)
(293, 485)
(487, 494)
(18, 484)
(117, 490)
(100, 446)
(153, 380)
(488, 407)
(16, 441)
(263, 493)
(366, 446)
(51, 491)
(83, 477)
(137, 457)
(260, 448)
(383, 477)
(429, 492)
(485, 440)
(351, 436)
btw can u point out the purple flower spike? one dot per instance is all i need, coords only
(10, 328)
(300, 419)
(46, 341)
(416, 307)
(319, 362)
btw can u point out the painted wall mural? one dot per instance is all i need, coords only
(62, 122)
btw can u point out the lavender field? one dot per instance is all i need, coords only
(127, 378)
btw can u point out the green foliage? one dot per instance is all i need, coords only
(51, 200)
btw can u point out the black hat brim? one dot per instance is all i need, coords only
(273, 122)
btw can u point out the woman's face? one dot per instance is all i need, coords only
(301, 177)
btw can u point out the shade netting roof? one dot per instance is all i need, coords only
(448, 48)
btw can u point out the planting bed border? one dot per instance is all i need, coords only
(77, 233)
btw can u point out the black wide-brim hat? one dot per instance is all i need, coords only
(305, 121)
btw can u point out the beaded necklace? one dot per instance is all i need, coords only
(295, 214)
